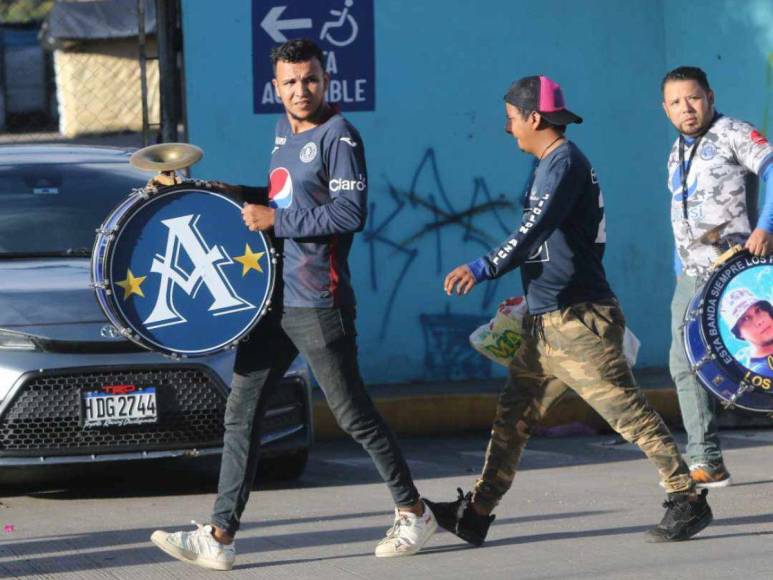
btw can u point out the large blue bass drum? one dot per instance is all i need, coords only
(728, 333)
(176, 270)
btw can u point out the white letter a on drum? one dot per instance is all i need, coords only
(207, 263)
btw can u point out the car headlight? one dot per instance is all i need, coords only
(16, 341)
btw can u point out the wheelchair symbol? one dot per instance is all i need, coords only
(343, 17)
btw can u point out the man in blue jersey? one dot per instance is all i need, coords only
(712, 177)
(317, 200)
(573, 334)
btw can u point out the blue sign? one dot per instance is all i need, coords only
(343, 29)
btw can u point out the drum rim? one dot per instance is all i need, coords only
(108, 240)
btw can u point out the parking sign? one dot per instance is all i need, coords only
(343, 29)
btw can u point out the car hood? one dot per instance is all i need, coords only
(46, 292)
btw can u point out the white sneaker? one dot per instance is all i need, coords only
(407, 535)
(199, 547)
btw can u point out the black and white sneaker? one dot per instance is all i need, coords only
(459, 518)
(683, 518)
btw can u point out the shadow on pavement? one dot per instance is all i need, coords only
(338, 463)
(91, 555)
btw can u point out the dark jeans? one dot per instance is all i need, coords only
(326, 337)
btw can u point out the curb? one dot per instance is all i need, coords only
(455, 407)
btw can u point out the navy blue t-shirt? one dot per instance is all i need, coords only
(560, 241)
(318, 185)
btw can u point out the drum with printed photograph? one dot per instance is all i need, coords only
(728, 333)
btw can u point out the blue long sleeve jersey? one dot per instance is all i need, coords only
(318, 185)
(560, 242)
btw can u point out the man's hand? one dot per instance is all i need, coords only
(760, 243)
(460, 279)
(258, 217)
(164, 179)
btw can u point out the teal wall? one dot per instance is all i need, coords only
(437, 131)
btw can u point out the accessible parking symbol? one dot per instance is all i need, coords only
(343, 29)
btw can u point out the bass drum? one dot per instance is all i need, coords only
(728, 333)
(176, 271)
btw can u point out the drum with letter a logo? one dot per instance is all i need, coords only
(728, 332)
(176, 270)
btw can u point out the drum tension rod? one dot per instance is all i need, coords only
(742, 388)
(708, 357)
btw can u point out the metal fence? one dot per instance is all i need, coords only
(73, 72)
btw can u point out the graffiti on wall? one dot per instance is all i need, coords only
(447, 351)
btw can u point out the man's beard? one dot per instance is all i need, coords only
(312, 117)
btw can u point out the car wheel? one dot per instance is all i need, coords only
(284, 467)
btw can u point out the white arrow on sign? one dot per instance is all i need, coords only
(274, 27)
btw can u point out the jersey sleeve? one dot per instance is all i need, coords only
(765, 220)
(346, 210)
(751, 148)
(556, 196)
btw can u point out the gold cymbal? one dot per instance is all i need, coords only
(166, 157)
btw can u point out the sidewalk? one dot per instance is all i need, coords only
(453, 407)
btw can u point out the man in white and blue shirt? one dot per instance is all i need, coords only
(713, 170)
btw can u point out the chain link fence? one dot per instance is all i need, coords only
(71, 72)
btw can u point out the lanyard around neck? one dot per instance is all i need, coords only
(686, 168)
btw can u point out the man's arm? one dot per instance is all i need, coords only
(556, 198)
(348, 189)
(760, 242)
(754, 152)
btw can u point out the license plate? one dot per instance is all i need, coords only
(109, 409)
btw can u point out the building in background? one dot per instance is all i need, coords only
(96, 65)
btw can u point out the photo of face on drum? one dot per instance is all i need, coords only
(746, 320)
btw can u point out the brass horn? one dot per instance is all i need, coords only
(166, 157)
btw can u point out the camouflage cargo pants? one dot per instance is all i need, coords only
(579, 347)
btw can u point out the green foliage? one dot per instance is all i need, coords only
(22, 11)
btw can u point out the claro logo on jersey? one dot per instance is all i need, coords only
(280, 190)
(337, 184)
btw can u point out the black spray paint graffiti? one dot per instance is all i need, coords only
(445, 334)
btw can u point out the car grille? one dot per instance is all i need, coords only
(45, 415)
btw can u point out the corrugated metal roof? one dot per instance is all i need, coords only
(97, 19)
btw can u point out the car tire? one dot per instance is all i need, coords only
(287, 467)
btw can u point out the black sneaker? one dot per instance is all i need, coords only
(683, 518)
(459, 517)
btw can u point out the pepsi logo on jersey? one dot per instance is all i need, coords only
(280, 191)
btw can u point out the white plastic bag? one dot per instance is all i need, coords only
(501, 337)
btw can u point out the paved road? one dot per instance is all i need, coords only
(578, 510)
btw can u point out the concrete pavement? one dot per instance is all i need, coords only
(579, 508)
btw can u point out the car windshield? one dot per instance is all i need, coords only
(54, 209)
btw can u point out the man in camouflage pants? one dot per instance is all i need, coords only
(711, 177)
(573, 335)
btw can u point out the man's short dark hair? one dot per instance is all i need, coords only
(297, 50)
(687, 73)
(764, 305)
